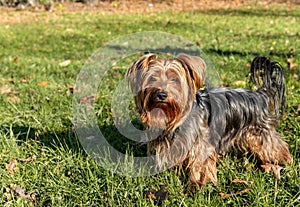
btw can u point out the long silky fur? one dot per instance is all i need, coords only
(193, 130)
(219, 119)
(249, 118)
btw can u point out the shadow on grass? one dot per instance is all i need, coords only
(123, 144)
(258, 12)
(68, 139)
(245, 53)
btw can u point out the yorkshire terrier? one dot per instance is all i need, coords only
(200, 125)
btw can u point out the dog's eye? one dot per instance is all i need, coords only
(152, 79)
(175, 80)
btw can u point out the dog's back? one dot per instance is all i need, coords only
(236, 115)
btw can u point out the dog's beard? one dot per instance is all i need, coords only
(164, 115)
(161, 114)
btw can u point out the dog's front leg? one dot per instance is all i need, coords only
(204, 171)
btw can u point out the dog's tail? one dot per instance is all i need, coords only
(268, 78)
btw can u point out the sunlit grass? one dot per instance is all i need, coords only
(36, 107)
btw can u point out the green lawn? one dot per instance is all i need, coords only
(42, 162)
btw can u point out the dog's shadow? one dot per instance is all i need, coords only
(124, 144)
(69, 140)
(52, 139)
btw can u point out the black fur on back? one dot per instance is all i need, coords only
(232, 112)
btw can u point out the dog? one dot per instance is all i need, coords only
(195, 127)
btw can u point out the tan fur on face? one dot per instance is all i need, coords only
(179, 78)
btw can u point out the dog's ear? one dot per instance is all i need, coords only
(196, 67)
(135, 71)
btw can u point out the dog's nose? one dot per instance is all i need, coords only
(162, 95)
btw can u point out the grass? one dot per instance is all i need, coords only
(36, 128)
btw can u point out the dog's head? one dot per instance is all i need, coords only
(165, 89)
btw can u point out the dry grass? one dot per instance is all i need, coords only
(9, 16)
